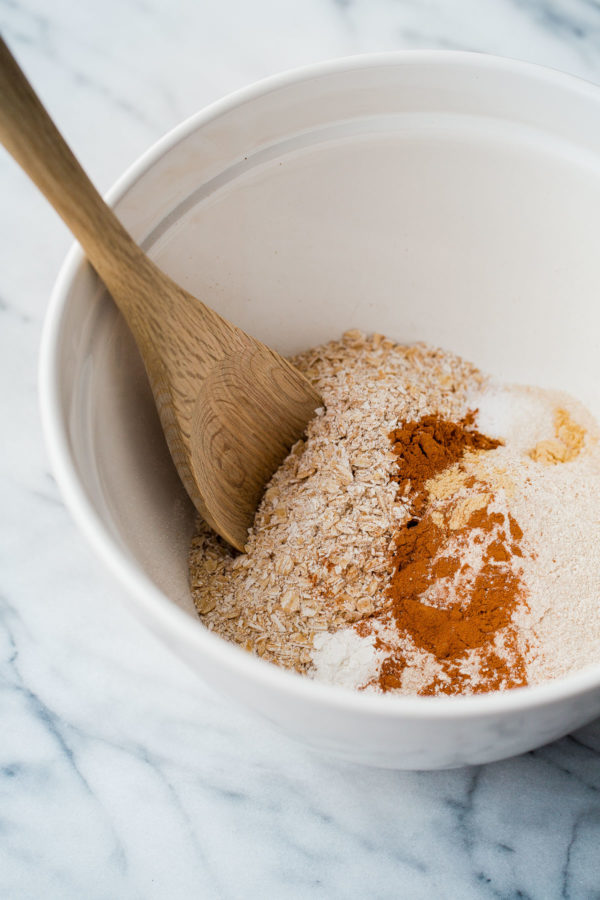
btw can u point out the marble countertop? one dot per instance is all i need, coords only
(121, 775)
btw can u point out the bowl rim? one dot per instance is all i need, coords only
(167, 616)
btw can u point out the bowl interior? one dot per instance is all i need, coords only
(451, 201)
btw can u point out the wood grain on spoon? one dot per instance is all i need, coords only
(230, 407)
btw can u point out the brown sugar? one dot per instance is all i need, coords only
(565, 446)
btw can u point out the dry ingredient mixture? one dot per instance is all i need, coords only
(435, 533)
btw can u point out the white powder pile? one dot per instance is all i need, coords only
(558, 508)
(345, 658)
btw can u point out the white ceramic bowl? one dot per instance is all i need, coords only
(446, 197)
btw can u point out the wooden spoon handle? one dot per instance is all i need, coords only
(29, 134)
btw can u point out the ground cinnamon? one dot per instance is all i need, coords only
(450, 607)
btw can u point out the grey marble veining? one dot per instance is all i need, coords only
(121, 776)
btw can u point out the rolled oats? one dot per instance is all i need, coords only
(318, 556)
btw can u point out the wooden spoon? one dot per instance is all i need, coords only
(230, 407)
